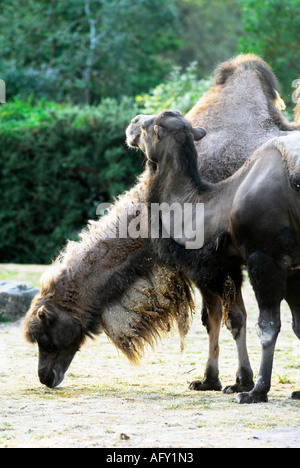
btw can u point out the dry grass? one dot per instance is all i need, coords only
(103, 396)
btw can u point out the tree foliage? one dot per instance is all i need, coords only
(85, 49)
(60, 157)
(210, 32)
(181, 90)
(271, 30)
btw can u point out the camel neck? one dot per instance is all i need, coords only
(181, 183)
(179, 172)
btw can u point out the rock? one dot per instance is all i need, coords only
(15, 299)
(121, 436)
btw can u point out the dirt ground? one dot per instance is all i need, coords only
(106, 402)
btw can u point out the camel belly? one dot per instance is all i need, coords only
(265, 206)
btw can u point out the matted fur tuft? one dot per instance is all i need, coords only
(153, 313)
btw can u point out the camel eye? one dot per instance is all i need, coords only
(50, 348)
(46, 345)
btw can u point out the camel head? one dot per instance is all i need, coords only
(157, 135)
(58, 336)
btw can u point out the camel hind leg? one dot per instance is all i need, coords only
(212, 319)
(212, 313)
(293, 300)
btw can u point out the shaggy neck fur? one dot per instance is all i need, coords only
(89, 274)
(90, 281)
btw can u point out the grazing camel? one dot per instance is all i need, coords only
(259, 206)
(85, 292)
(116, 285)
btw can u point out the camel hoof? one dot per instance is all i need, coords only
(250, 398)
(206, 385)
(238, 388)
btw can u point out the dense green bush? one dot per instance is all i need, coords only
(56, 164)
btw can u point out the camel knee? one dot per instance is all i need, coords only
(267, 330)
(235, 322)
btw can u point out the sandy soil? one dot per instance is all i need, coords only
(103, 397)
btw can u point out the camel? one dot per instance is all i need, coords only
(117, 285)
(259, 208)
(240, 112)
(86, 292)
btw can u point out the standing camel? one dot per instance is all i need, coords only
(240, 113)
(115, 285)
(259, 206)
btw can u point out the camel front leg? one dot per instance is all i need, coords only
(236, 323)
(268, 328)
(211, 318)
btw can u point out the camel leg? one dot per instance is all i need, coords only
(236, 323)
(293, 300)
(211, 318)
(269, 283)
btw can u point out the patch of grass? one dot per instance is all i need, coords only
(26, 274)
(283, 379)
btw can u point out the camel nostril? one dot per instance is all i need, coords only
(51, 378)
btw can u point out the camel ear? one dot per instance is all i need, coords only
(159, 131)
(45, 315)
(198, 133)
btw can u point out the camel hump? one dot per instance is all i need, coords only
(289, 147)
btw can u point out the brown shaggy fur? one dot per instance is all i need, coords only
(90, 279)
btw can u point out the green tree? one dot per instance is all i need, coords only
(271, 30)
(181, 90)
(210, 32)
(85, 49)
